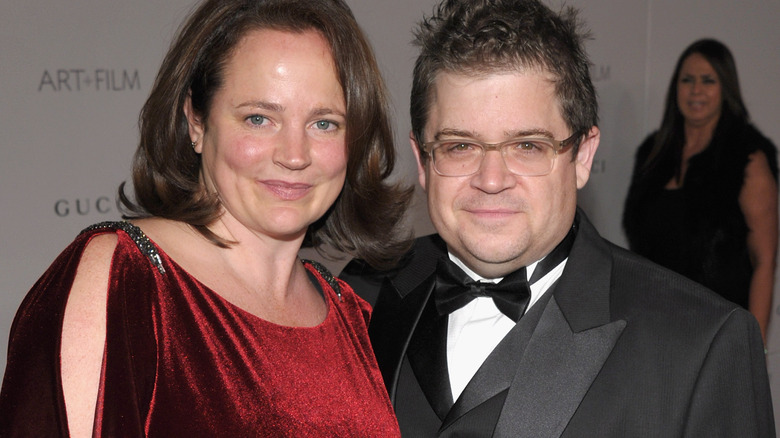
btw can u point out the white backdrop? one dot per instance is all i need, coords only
(73, 76)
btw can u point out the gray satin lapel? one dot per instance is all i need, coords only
(553, 376)
(498, 371)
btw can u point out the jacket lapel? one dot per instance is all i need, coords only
(554, 375)
(566, 351)
(427, 355)
(572, 341)
(392, 325)
(400, 306)
(496, 374)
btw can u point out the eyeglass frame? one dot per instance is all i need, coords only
(559, 147)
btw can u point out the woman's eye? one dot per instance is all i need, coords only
(325, 125)
(256, 120)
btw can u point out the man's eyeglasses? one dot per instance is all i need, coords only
(526, 156)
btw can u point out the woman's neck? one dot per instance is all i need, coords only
(697, 138)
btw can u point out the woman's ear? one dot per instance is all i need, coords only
(195, 126)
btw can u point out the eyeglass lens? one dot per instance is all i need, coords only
(525, 157)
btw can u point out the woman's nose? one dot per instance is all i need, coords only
(292, 151)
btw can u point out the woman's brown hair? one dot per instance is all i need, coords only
(367, 218)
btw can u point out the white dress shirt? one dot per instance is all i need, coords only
(474, 330)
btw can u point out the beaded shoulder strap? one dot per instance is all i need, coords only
(144, 244)
(325, 273)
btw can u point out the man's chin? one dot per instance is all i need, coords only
(495, 251)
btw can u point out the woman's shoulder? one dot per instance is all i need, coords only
(649, 139)
(342, 290)
(765, 145)
(646, 146)
(103, 236)
(325, 275)
(750, 141)
(755, 140)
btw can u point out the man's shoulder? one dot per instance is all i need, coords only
(643, 289)
(419, 260)
(425, 250)
(652, 299)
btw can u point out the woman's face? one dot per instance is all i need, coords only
(699, 92)
(274, 145)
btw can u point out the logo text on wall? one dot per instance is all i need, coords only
(81, 79)
(85, 206)
(600, 73)
(598, 166)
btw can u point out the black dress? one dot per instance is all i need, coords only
(698, 229)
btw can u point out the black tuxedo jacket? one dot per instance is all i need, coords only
(619, 347)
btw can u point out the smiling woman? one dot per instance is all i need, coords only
(703, 197)
(275, 148)
(699, 92)
(266, 131)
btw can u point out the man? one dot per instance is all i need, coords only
(602, 343)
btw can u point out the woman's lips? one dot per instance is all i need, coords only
(287, 191)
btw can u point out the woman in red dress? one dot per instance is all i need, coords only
(266, 130)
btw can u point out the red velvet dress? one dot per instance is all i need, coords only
(180, 361)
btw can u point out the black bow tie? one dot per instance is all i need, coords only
(455, 289)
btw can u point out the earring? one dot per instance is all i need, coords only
(193, 144)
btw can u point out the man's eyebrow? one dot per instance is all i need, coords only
(451, 132)
(537, 132)
(460, 133)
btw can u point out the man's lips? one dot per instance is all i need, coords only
(497, 212)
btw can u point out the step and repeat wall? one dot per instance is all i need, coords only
(74, 75)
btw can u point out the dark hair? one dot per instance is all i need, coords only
(670, 139)
(477, 37)
(365, 220)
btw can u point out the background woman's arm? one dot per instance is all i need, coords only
(758, 201)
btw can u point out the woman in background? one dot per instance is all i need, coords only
(266, 130)
(703, 196)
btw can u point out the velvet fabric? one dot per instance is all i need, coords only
(182, 361)
(698, 230)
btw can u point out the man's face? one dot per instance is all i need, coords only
(496, 221)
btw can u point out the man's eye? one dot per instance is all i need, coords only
(529, 147)
(459, 147)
